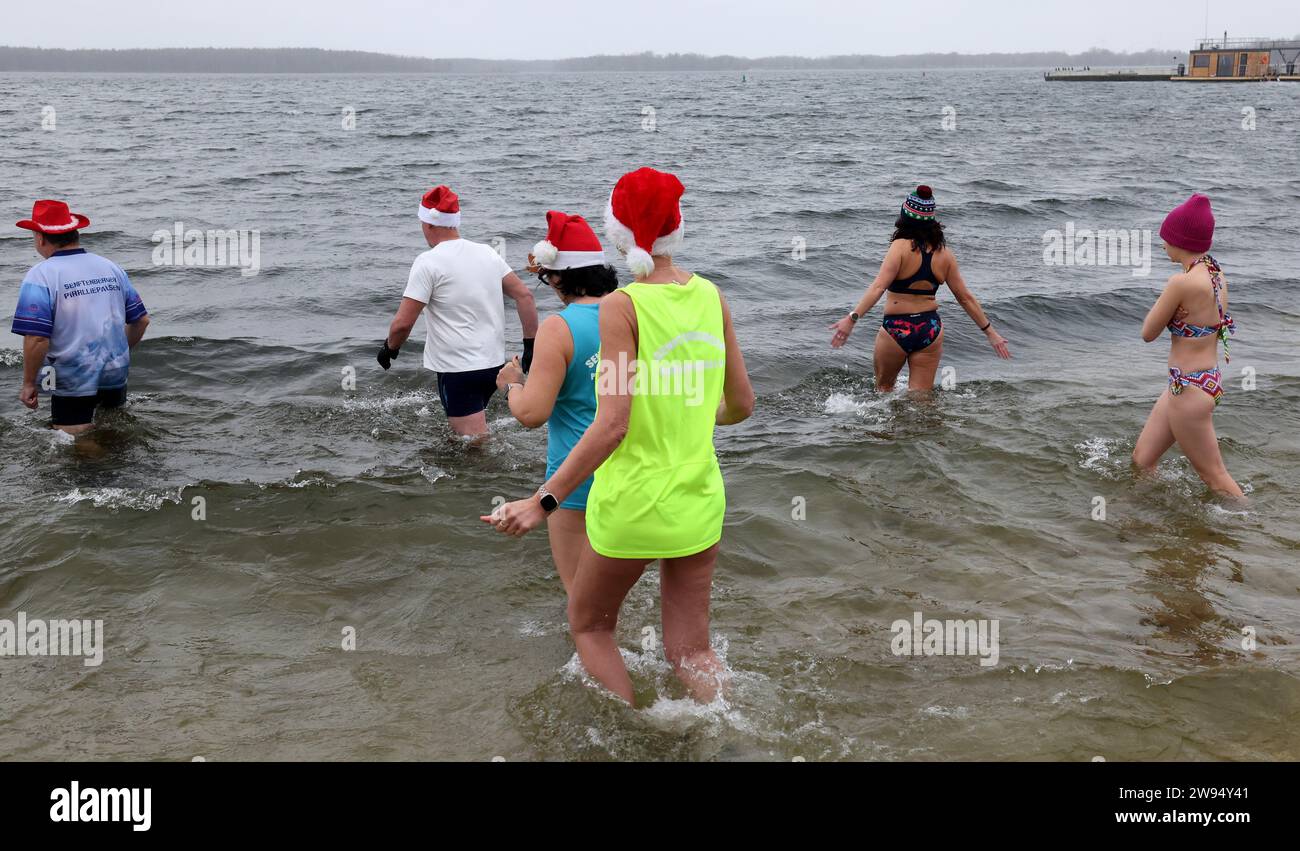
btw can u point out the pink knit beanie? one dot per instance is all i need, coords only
(1190, 226)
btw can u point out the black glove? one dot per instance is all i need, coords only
(527, 360)
(386, 355)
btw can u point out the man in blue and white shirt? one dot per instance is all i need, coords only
(79, 318)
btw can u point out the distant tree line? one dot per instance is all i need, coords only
(316, 61)
(231, 60)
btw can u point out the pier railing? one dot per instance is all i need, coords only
(1249, 44)
(1171, 70)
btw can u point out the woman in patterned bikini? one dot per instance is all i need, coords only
(1184, 414)
(917, 264)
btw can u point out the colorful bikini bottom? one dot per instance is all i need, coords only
(914, 331)
(1209, 380)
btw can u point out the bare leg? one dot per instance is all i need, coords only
(475, 425)
(922, 366)
(1157, 436)
(599, 588)
(889, 361)
(1191, 416)
(567, 529)
(685, 586)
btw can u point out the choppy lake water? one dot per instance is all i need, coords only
(329, 509)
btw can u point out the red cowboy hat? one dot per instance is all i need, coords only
(53, 217)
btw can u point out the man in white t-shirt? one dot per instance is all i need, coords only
(458, 284)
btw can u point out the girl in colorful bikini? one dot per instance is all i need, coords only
(917, 264)
(1184, 413)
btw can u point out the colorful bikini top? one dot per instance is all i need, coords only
(1226, 327)
(923, 275)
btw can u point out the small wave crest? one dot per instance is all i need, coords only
(839, 403)
(1096, 453)
(115, 499)
(387, 404)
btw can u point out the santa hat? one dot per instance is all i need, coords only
(570, 243)
(53, 217)
(440, 207)
(643, 218)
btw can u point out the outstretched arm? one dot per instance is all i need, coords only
(975, 311)
(35, 348)
(403, 322)
(887, 275)
(135, 331)
(614, 383)
(737, 403)
(399, 330)
(531, 400)
(525, 304)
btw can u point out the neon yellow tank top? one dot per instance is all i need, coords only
(660, 494)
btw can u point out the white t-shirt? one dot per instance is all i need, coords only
(460, 283)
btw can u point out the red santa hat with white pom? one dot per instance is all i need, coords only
(440, 207)
(570, 244)
(644, 217)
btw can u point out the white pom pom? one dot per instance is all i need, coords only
(640, 262)
(545, 252)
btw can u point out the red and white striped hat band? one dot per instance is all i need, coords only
(440, 207)
(71, 225)
(570, 243)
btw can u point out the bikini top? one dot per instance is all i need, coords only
(923, 275)
(1226, 327)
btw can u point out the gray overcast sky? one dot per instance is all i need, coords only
(529, 29)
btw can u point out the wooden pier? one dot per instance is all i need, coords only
(1225, 60)
(1109, 76)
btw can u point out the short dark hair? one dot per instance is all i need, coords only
(585, 282)
(63, 240)
(924, 235)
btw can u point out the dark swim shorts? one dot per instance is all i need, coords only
(465, 394)
(80, 410)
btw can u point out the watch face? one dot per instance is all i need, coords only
(549, 502)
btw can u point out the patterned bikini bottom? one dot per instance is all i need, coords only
(1209, 380)
(914, 331)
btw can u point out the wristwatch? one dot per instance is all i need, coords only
(547, 499)
(854, 316)
(510, 384)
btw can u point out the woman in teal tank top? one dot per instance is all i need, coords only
(560, 390)
(670, 371)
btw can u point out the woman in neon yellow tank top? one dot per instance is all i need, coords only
(670, 371)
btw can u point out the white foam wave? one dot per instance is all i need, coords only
(117, 498)
(433, 474)
(843, 403)
(388, 404)
(1096, 453)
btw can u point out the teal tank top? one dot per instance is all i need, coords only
(575, 406)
